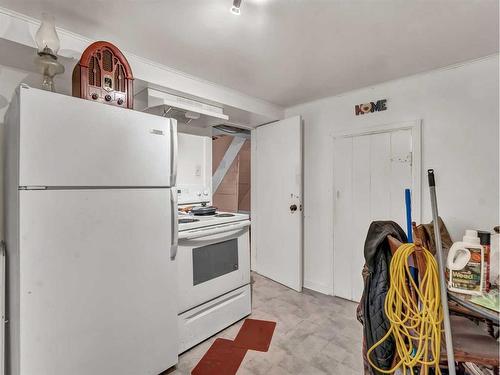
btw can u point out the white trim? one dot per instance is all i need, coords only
(416, 193)
(416, 170)
(253, 200)
(3, 289)
(383, 128)
(319, 287)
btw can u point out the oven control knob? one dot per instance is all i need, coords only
(95, 96)
(107, 98)
(120, 101)
(198, 194)
(205, 193)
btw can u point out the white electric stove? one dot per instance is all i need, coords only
(213, 261)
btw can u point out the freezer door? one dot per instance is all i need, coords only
(66, 141)
(97, 283)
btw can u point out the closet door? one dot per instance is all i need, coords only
(361, 207)
(342, 241)
(371, 172)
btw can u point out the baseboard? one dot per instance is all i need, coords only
(319, 287)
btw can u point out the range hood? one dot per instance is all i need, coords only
(228, 129)
(184, 110)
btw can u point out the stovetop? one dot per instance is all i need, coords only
(190, 221)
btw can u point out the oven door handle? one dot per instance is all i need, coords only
(191, 235)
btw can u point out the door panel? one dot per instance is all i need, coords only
(401, 176)
(342, 241)
(361, 165)
(370, 175)
(65, 141)
(380, 174)
(97, 285)
(277, 218)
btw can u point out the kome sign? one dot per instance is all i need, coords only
(378, 106)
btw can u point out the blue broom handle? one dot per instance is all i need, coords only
(408, 215)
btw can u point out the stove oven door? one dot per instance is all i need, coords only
(211, 262)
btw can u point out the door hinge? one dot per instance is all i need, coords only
(406, 158)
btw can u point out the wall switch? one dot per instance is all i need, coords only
(197, 172)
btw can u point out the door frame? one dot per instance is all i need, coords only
(416, 139)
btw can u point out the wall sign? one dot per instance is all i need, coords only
(378, 106)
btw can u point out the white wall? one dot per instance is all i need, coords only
(459, 109)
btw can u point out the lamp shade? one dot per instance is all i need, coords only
(46, 36)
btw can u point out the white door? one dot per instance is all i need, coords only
(277, 218)
(371, 173)
(66, 141)
(97, 283)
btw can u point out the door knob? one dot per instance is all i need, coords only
(293, 208)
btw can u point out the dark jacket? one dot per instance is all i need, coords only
(375, 323)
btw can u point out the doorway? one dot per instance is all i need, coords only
(231, 165)
(372, 169)
(269, 167)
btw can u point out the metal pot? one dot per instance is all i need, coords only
(203, 210)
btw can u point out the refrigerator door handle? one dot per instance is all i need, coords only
(173, 152)
(175, 224)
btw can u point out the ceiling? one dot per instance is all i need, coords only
(287, 51)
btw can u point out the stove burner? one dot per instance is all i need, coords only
(187, 220)
(224, 215)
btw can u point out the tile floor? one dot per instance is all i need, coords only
(315, 334)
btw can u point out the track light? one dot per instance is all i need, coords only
(235, 9)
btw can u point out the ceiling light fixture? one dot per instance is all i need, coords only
(235, 9)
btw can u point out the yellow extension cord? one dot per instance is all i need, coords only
(415, 327)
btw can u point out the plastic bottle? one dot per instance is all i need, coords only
(466, 264)
(485, 241)
(495, 259)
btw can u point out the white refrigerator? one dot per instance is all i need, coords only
(91, 238)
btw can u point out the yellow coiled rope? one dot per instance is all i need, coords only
(414, 325)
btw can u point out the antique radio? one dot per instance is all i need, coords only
(104, 75)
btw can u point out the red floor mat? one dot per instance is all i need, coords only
(255, 335)
(223, 358)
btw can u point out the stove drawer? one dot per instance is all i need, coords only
(204, 321)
